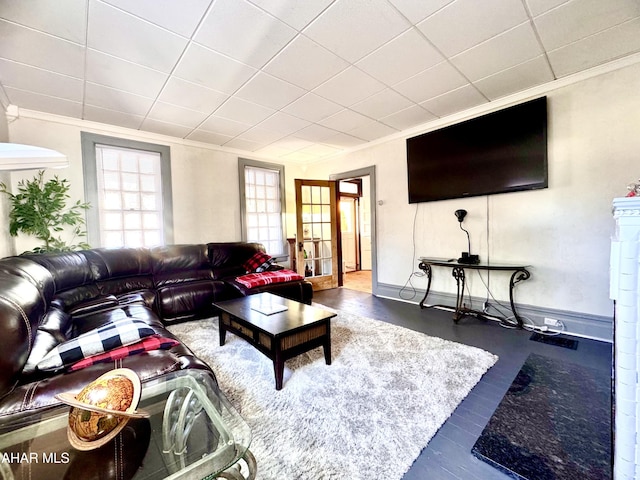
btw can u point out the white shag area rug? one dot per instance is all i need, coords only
(367, 415)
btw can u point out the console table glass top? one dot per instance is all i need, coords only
(520, 273)
(192, 432)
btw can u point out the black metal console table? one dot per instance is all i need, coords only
(519, 274)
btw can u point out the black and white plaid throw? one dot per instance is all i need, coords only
(116, 334)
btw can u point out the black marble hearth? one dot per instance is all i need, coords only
(554, 423)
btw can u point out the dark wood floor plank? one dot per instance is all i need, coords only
(448, 455)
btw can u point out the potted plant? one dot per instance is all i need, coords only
(40, 209)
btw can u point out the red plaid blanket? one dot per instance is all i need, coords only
(154, 342)
(253, 280)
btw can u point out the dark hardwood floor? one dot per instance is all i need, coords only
(448, 455)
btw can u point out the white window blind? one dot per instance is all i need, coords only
(130, 197)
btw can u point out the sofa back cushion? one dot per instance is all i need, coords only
(175, 264)
(120, 271)
(38, 275)
(69, 269)
(21, 308)
(227, 258)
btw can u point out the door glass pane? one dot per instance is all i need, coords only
(316, 225)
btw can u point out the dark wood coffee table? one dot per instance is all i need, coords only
(281, 335)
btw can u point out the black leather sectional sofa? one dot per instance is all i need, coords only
(48, 299)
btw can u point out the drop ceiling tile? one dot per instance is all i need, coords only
(382, 104)
(596, 49)
(292, 144)
(273, 151)
(35, 80)
(581, 18)
(299, 156)
(536, 7)
(345, 120)
(320, 150)
(110, 117)
(315, 133)
(269, 91)
(260, 135)
(501, 52)
(353, 28)
(349, 87)
(122, 75)
(305, 63)
(41, 50)
(208, 137)
(180, 17)
(163, 128)
(343, 140)
(243, 111)
(431, 83)
(246, 145)
(526, 75)
(221, 73)
(118, 100)
(296, 14)
(284, 123)
(47, 16)
(313, 108)
(416, 11)
(191, 95)
(44, 103)
(224, 126)
(373, 131)
(408, 118)
(473, 21)
(244, 32)
(406, 55)
(122, 35)
(457, 100)
(168, 113)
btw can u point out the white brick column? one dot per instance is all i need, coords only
(625, 289)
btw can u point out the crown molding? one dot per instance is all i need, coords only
(14, 112)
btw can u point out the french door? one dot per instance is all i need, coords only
(317, 232)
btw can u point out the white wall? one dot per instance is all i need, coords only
(563, 232)
(206, 203)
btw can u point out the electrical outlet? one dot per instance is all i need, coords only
(552, 322)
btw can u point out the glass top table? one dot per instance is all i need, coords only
(192, 432)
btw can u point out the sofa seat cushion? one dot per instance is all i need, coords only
(253, 280)
(189, 300)
(115, 334)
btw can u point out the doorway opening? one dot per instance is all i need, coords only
(355, 233)
(356, 252)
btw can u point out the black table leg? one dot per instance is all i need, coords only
(517, 276)
(427, 270)
(458, 274)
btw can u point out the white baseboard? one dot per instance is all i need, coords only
(575, 323)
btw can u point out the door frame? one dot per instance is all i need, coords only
(371, 173)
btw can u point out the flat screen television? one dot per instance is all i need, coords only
(504, 151)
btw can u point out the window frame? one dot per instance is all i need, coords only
(242, 164)
(89, 165)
